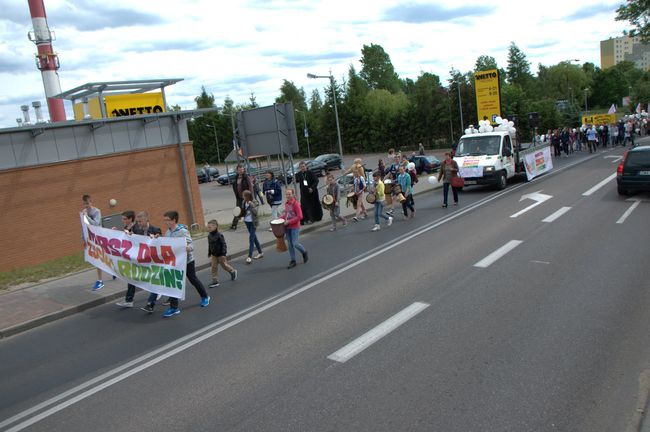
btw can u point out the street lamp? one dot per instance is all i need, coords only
(336, 111)
(216, 140)
(306, 132)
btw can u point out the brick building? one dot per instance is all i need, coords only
(145, 163)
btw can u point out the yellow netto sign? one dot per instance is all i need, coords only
(134, 104)
(599, 119)
(488, 95)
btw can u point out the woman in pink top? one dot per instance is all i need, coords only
(292, 216)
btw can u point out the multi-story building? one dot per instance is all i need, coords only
(615, 50)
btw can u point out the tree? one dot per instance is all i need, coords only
(637, 12)
(485, 62)
(518, 69)
(377, 69)
(204, 100)
(290, 93)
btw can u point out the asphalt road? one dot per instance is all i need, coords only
(550, 335)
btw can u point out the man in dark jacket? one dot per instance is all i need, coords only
(309, 201)
(142, 227)
(242, 182)
(217, 252)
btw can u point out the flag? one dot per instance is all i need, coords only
(612, 109)
(638, 108)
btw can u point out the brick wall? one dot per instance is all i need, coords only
(40, 205)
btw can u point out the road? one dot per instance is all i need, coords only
(463, 319)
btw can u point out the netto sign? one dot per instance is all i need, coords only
(486, 75)
(134, 104)
(488, 95)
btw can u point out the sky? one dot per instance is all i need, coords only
(237, 47)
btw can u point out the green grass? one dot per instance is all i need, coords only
(46, 270)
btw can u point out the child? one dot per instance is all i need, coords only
(335, 212)
(94, 216)
(250, 218)
(217, 252)
(380, 199)
(359, 187)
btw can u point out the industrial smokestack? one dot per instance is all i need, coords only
(37, 110)
(25, 109)
(46, 60)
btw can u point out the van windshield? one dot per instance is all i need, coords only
(478, 145)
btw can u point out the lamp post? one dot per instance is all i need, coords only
(305, 131)
(336, 111)
(216, 140)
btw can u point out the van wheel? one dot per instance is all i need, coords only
(502, 182)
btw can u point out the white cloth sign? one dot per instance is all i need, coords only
(538, 162)
(157, 265)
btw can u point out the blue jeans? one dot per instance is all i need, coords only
(252, 239)
(445, 192)
(292, 238)
(379, 211)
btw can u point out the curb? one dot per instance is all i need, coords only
(54, 316)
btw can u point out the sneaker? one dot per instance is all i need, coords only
(354, 219)
(249, 260)
(270, 229)
(166, 302)
(125, 304)
(333, 229)
(205, 301)
(291, 265)
(158, 297)
(214, 284)
(456, 203)
(345, 222)
(233, 275)
(170, 312)
(98, 285)
(376, 228)
(390, 221)
(259, 255)
(305, 257)
(147, 308)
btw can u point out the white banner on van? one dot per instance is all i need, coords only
(538, 162)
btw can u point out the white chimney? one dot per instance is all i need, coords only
(37, 109)
(25, 109)
(19, 121)
(84, 103)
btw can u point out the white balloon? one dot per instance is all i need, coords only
(511, 123)
(410, 166)
(513, 130)
(499, 120)
(432, 180)
(490, 128)
(468, 131)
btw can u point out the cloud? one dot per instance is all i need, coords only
(590, 12)
(170, 45)
(85, 15)
(423, 13)
(14, 64)
(542, 45)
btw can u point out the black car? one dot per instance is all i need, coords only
(225, 179)
(633, 173)
(332, 161)
(202, 178)
(427, 164)
(317, 167)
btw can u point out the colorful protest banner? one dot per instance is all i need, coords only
(538, 162)
(469, 167)
(153, 264)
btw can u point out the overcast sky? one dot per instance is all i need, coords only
(236, 47)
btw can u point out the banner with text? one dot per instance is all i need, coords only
(488, 95)
(153, 264)
(538, 162)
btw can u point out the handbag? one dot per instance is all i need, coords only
(457, 182)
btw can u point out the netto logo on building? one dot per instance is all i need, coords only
(487, 75)
(119, 112)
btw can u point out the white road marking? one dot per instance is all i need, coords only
(628, 212)
(494, 256)
(372, 336)
(556, 215)
(599, 185)
(538, 197)
(541, 262)
(616, 158)
(128, 369)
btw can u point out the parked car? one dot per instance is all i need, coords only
(202, 178)
(333, 161)
(427, 164)
(225, 179)
(633, 173)
(317, 167)
(258, 173)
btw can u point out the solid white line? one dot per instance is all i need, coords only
(372, 336)
(490, 259)
(628, 212)
(556, 215)
(245, 314)
(599, 185)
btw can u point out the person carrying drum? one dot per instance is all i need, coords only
(292, 216)
(359, 187)
(333, 191)
(380, 200)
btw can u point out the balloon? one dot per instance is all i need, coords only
(511, 123)
(432, 180)
(490, 128)
(468, 131)
(513, 130)
(410, 166)
(499, 120)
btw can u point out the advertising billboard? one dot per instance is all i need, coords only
(134, 104)
(488, 95)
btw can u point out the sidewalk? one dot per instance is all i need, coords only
(32, 306)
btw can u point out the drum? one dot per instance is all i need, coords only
(278, 228)
(401, 197)
(237, 212)
(327, 202)
(352, 198)
(371, 198)
(388, 187)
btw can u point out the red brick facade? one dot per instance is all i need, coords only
(40, 205)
